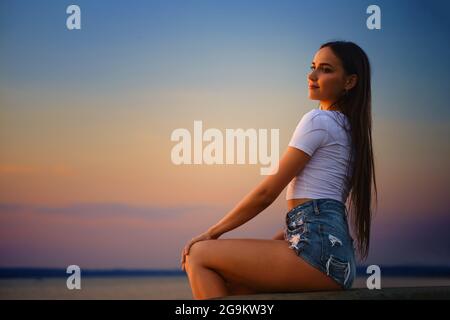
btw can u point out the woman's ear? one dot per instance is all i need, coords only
(351, 81)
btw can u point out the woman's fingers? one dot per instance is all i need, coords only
(186, 249)
(182, 264)
(184, 254)
(183, 259)
(188, 246)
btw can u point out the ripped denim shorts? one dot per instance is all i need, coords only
(318, 232)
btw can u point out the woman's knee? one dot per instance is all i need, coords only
(198, 252)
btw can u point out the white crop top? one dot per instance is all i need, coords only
(320, 135)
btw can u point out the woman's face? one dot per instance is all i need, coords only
(327, 79)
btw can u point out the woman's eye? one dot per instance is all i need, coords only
(326, 70)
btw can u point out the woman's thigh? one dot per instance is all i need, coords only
(260, 264)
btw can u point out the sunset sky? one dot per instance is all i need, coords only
(86, 117)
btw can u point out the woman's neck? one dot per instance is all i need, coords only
(327, 108)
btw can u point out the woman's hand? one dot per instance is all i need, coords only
(204, 236)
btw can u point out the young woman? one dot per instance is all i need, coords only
(329, 158)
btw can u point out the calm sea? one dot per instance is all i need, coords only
(148, 287)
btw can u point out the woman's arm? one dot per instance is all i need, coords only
(264, 194)
(252, 204)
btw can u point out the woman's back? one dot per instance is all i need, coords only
(325, 136)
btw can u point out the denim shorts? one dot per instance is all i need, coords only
(318, 232)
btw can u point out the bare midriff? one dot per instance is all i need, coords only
(292, 203)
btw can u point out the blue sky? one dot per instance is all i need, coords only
(215, 43)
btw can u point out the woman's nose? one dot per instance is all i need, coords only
(312, 76)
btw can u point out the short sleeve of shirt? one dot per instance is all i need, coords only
(311, 132)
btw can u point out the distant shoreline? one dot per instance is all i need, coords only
(386, 271)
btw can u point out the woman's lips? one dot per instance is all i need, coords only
(313, 87)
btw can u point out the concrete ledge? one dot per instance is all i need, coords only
(401, 293)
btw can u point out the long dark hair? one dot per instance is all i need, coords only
(356, 105)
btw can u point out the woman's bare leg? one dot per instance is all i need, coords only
(239, 289)
(279, 235)
(263, 265)
(205, 283)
